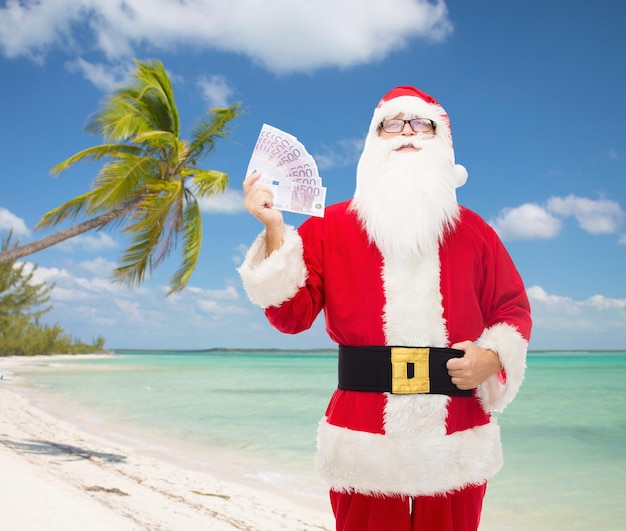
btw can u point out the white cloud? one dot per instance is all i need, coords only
(92, 242)
(603, 303)
(566, 323)
(72, 286)
(131, 310)
(537, 293)
(533, 221)
(526, 222)
(230, 202)
(216, 91)
(48, 274)
(217, 304)
(566, 305)
(239, 253)
(599, 216)
(103, 76)
(99, 266)
(345, 153)
(282, 35)
(227, 293)
(29, 28)
(88, 303)
(215, 308)
(9, 221)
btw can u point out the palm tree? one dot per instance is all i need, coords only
(150, 183)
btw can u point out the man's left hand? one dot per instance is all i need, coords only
(474, 367)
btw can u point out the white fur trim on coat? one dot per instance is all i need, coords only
(511, 347)
(273, 280)
(413, 312)
(370, 463)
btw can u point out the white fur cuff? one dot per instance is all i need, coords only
(273, 280)
(504, 339)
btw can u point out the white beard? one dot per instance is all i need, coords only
(406, 200)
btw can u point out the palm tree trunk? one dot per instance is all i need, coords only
(10, 255)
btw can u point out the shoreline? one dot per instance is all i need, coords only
(77, 480)
(66, 468)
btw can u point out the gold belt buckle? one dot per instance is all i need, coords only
(419, 382)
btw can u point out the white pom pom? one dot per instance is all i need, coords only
(460, 174)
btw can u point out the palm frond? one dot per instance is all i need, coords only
(156, 225)
(146, 103)
(208, 130)
(160, 203)
(208, 182)
(162, 144)
(70, 210)
(137, 258)
(156, 88)
(157, 140)
(192, 242)
(117, 182)
(118, 119)
(95, 153)
(125, 177)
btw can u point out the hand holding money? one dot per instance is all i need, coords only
(289, 172)
(294, 196)
(259, 201)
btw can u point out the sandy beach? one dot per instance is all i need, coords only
(66, 467)
(57, 477)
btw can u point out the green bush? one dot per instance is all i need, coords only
(22, 303)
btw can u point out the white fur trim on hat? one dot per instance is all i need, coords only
(416, 107)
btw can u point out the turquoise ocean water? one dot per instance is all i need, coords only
(564, 436)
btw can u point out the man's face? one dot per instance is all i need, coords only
(405, 193)
(391, 128)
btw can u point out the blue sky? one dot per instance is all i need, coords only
(534, 90)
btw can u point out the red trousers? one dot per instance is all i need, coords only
(457, 511)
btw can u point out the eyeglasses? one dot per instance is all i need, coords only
(419, 125)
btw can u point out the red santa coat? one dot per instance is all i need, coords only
(378, 443)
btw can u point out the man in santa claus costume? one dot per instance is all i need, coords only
(430, 315)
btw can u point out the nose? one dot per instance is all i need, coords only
(407, 130)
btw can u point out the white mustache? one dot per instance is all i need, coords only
(418, 142)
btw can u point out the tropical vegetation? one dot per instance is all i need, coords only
(23, 302)
(150, 183)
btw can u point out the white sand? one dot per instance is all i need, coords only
(58, 478)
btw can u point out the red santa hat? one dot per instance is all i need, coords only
(414, 103)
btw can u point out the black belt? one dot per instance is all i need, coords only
(398, 370)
